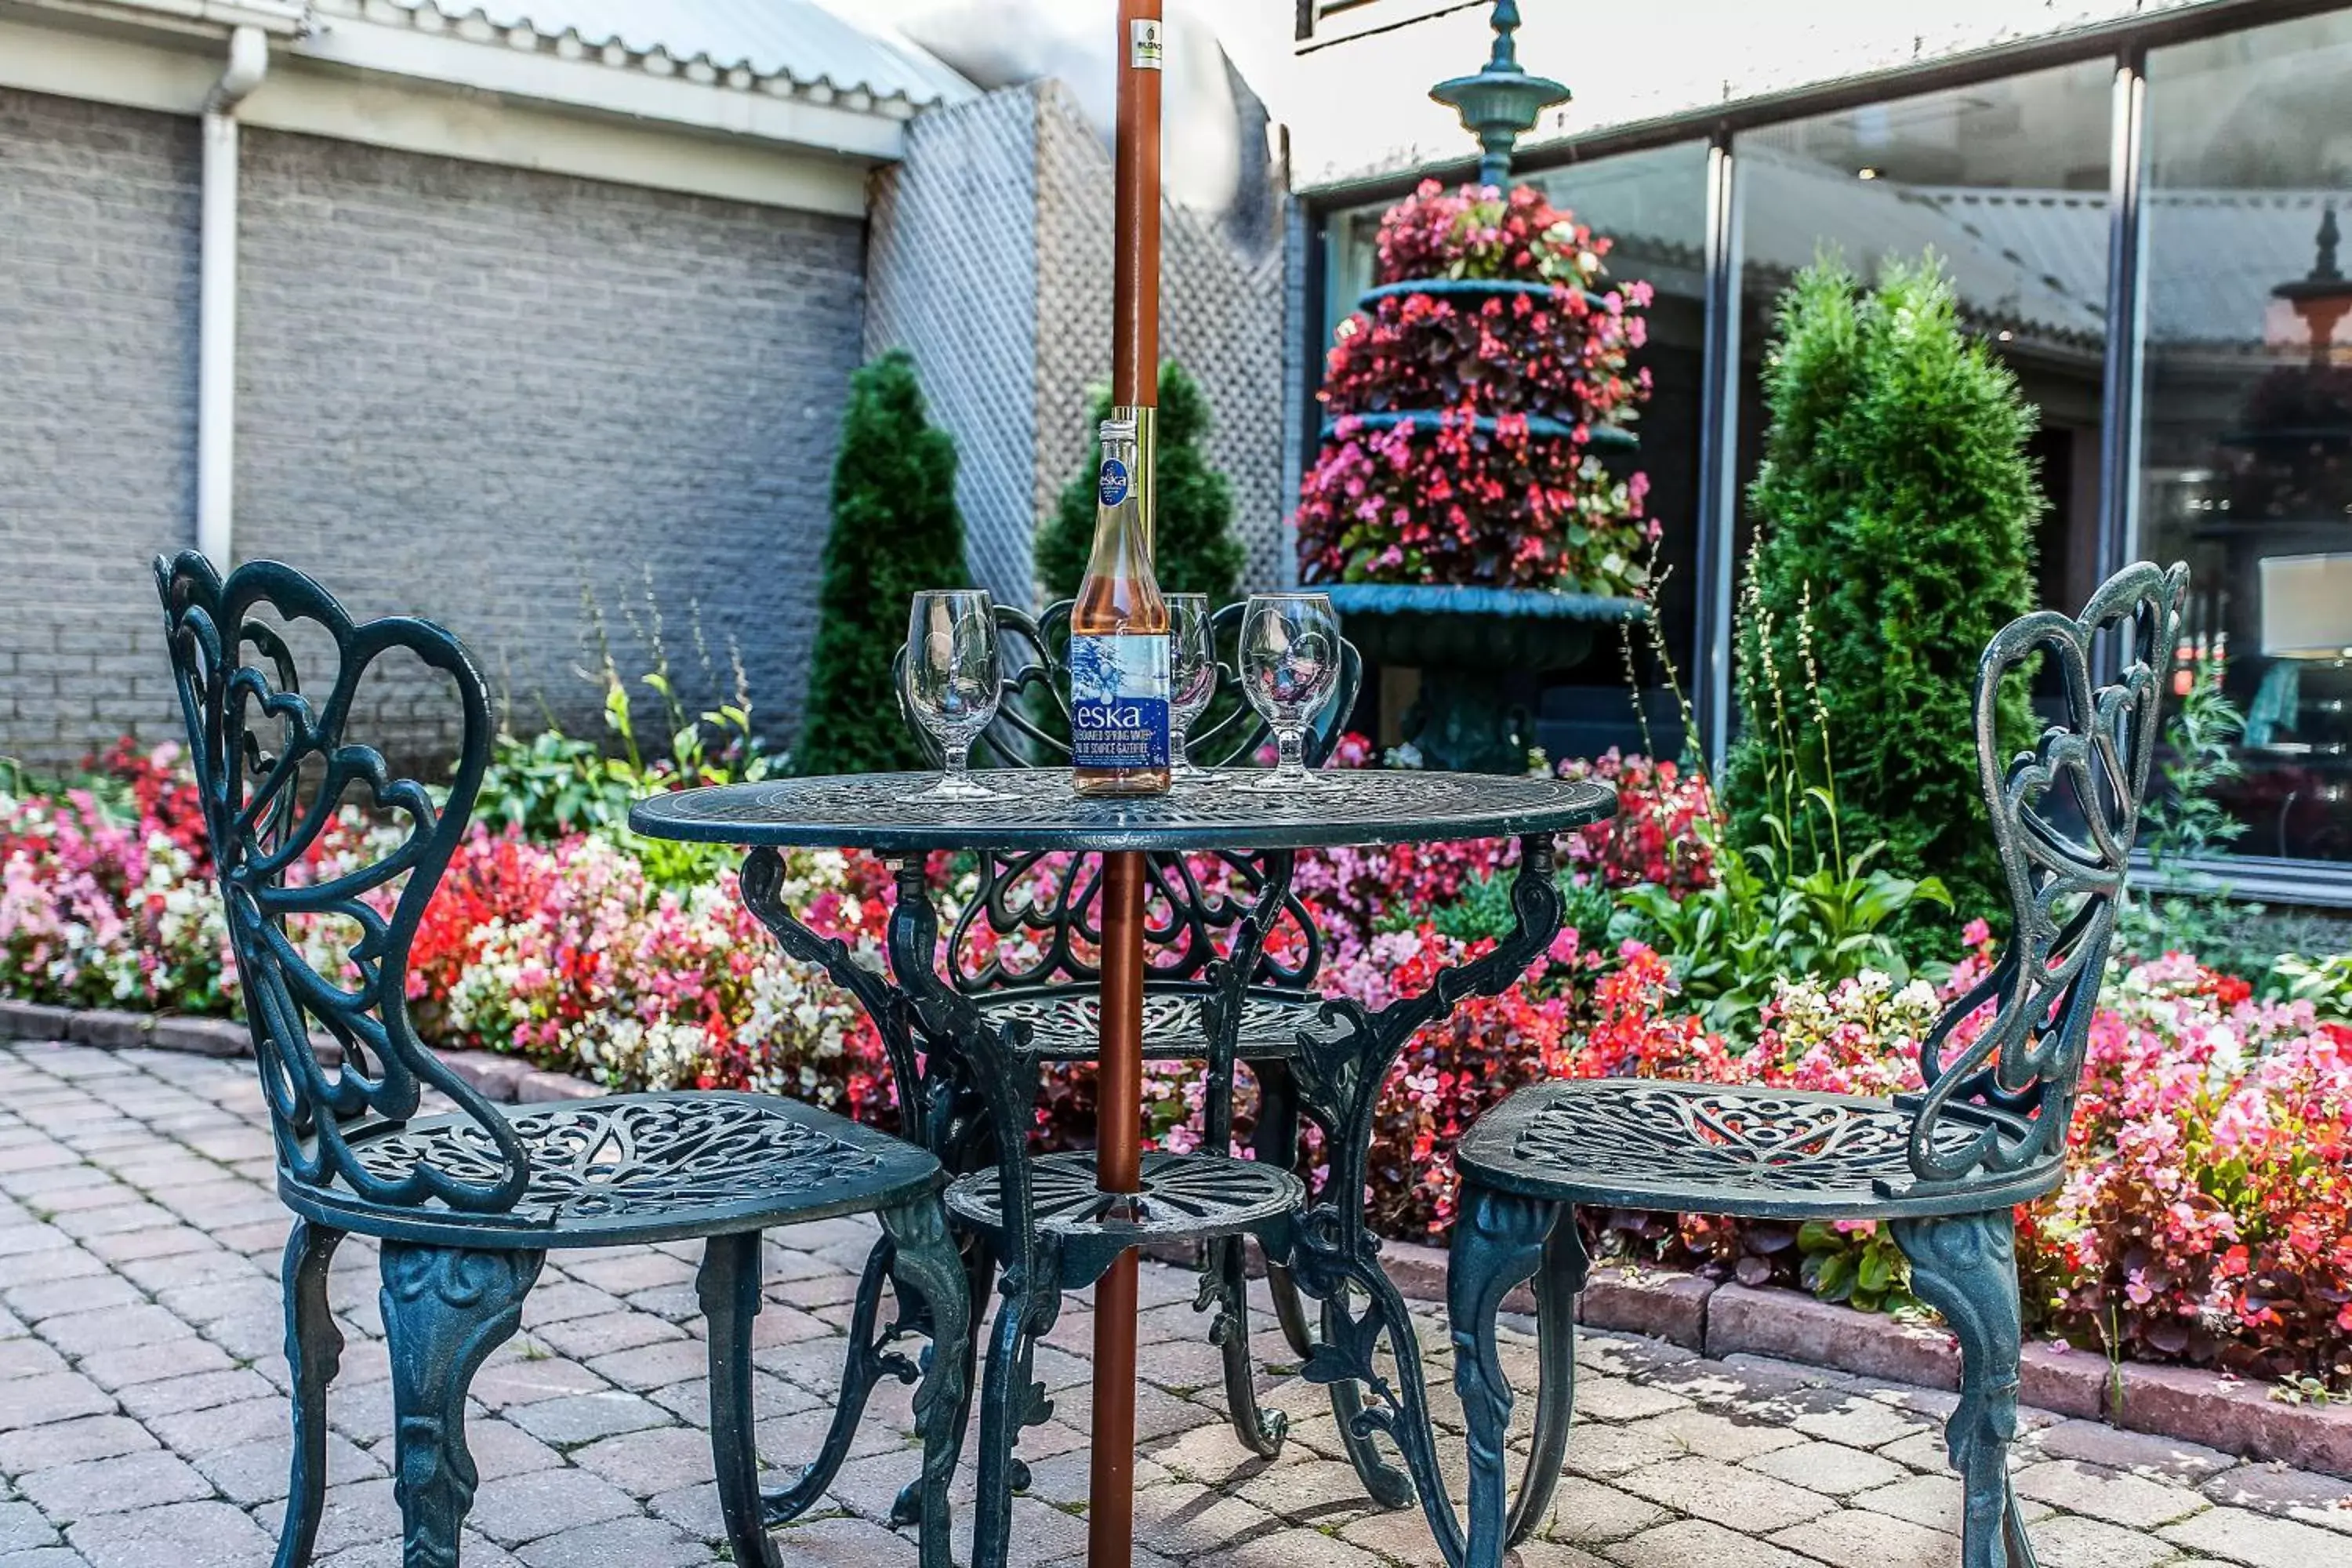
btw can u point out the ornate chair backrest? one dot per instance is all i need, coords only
(1053, 902)
(2065, 814)
(273, 769)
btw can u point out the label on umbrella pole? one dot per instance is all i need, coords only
(1147, 52)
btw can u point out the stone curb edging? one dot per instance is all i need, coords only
(1716, 1320)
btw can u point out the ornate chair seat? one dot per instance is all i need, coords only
(1065, 1023)
(640, 1168)
(1729, 1149)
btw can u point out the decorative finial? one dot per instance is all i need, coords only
(2324, 297)
(1501, 103)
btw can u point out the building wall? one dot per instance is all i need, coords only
(486, 394)
(98, 313)
(496, 396)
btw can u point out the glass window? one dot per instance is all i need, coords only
(2246, 434)
(2007, 181)
(1651, 206)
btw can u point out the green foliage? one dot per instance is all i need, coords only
(1193, 550)
(1864, 1267)
(896, 532)
(2325, 983)
(1897, 497)
(552, 784)
(1762, 921)
(2182, 823)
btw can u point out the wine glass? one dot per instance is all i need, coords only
(952, 682)
(1192, 680)
(1290, 662)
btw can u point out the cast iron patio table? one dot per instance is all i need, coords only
(967, 1087)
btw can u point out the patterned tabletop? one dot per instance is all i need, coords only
(1039, 811)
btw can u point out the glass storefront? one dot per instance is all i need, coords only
(2006, 183)
(2246, 429)
(2239, 325)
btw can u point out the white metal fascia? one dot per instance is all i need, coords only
(776, 112)
(280, 18)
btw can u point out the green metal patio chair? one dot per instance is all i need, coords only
(1944, 1167)
(468, 1205)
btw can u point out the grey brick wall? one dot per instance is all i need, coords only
(477, 393)
(98, 377)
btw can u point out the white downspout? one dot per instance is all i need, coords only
(248, 61)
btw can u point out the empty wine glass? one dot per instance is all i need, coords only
(1290, 662)
(952, 682)
(1192, 680)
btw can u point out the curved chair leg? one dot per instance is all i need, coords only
(861, 1370)
(930, 1274)
(1499, 1238)
(1010, 1399)
(1225, 1279)
(445, 1309)
(314, 1347)
(1384, 1483)
(1965, 1266)
(1559, 1282)
(728, 1286)
(1275, 1142)
(979, 1263)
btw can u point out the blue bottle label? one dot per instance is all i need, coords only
(1118, 701)
(1113, 482)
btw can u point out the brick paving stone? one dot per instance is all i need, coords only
(586, 1338)
(44, 1397)
(70, 1442)
(114, 1328)
(185, 1535)
(1858, 1421)
(1586, 1514)
(22, 1528)
(583, 1417)
(520, 1379)
(637, 1541)
(1182, 1520)
(1881, 1540)
(27, 1357)
(1603, 1453)
(1690, 1541)
(2141, 1453)
(1309, 1549)
(1599, 1399)
(2098, 1492)
(2299, 1495)
(690, 1400)
(354, 1514)
(260, 1471)
(514, 1509)
(84, 1293)
(1931, 1500)
(843, 1543)
(1829, 1468)
(653, 1366)
(201, 1391)
(116, 1484)
(2068, 1542)
(1711, 1489)
(119, 1370)
(663, 1459)
(2260, 1541)
(1713, 1436)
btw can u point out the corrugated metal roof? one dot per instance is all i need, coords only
(797, 40)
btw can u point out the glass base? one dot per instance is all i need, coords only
(954, 787)
(1282, 781)
(1196, 777)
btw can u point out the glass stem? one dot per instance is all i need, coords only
(1177, 762)
(1291, 743)
(959, 756)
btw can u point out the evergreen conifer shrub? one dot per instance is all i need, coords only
(896, 532)
(1895, 515)
(1193, 549)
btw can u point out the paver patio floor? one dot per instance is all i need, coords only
(142, 1421)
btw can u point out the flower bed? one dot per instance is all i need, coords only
(2207, 1218)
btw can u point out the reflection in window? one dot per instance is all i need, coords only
(2006, 183)
(2246, 444)
(1652, 206)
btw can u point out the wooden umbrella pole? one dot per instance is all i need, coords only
(1118, 1097)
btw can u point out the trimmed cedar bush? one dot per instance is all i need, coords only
(1193, 550)
(1465, 492)
(1895, 512)
(896, 532)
